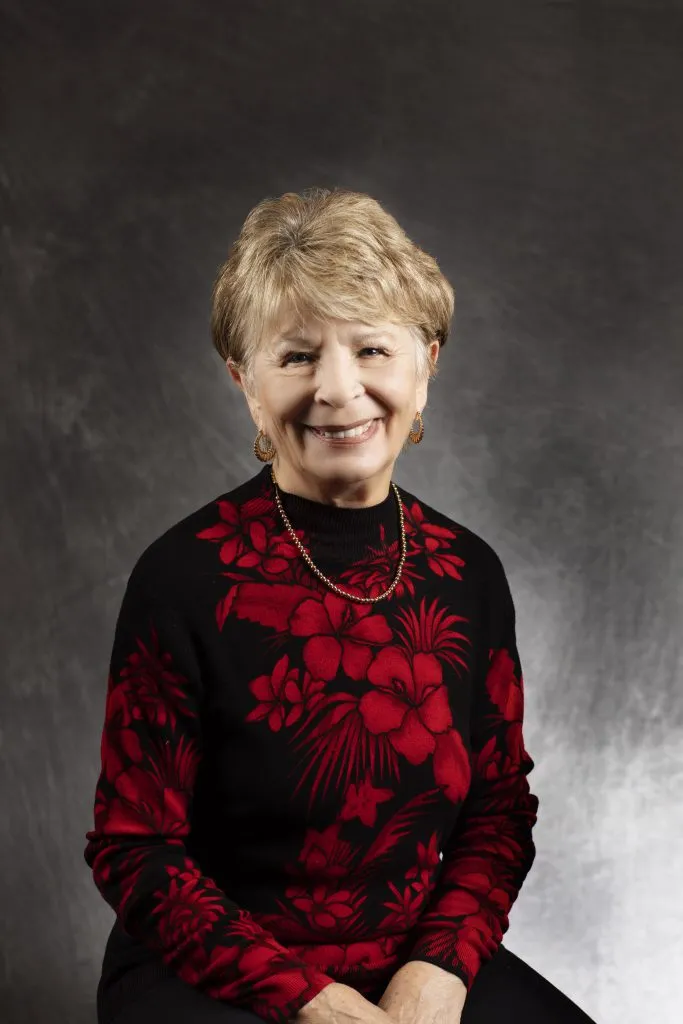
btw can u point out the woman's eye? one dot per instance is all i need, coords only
(306, 355)
(288, 358)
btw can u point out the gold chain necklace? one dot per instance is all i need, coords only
(333, 586)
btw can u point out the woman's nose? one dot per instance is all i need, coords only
(337, 381)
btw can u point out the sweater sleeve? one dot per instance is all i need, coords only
(151, 747)
(491, 850)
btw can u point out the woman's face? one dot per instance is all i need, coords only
(334, 375)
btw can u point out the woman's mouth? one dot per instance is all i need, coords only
(357, 435)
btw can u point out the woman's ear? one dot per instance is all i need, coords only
(242, 382)
(423, 385)
(235, 373)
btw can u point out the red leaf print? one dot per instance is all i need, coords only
(268, 604)
(427, 862)
(405, 909)
(492, 764)
(443, 564)
(361, 802)
(187, 907)
(324, 855)
(160, 690)
(504, 688)
(340, 741)
(154, 802)
(255, 960)
(456, 902)
(452, 771)
(424, 533)
(373, 574)
(431, 629)
(351, 959)
(399, 826)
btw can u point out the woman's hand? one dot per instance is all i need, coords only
(340, 1004)
(422, 993)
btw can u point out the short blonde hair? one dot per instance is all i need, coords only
(327, 253)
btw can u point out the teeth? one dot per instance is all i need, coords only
(354, 432)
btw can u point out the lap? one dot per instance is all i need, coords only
(506, 990)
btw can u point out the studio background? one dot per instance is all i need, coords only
(535, 149)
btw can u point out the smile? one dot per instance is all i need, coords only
(354, 435)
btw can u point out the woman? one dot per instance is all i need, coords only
(313, 802)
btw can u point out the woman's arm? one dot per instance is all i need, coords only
(151, 747)
(491, 850)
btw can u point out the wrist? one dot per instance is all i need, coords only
(335, 996)
(424, 974)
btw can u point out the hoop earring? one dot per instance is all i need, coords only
(261, 454)
(416, 436)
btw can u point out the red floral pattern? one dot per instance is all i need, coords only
(383, 741)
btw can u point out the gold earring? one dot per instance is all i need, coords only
(416, 436)
(261, 454)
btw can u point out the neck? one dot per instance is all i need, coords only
(336, 535)
(335, 491)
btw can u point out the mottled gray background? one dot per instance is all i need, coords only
(536, 149)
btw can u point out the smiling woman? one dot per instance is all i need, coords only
(338, 413)
(313, 801)
(308, 283)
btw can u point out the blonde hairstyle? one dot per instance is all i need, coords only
(328, 253)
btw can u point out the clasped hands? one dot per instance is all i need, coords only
(422, 993)
(418, 993)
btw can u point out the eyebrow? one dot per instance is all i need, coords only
(300, 338)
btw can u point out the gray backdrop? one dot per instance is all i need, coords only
(536, 150)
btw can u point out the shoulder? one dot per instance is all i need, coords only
(185, 552)
(442, 529)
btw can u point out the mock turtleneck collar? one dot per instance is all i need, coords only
(340, 534)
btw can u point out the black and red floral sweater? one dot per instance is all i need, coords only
(297, 788)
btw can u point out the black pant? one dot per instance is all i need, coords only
(506, 990)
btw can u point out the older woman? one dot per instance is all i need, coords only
(313, 802)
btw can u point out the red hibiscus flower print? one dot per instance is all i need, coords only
(325, 908)
(437, 542)
(339, 632)
(410, 703)
(361, 802)
(504, 687)
(283, 699)
(249, 538)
